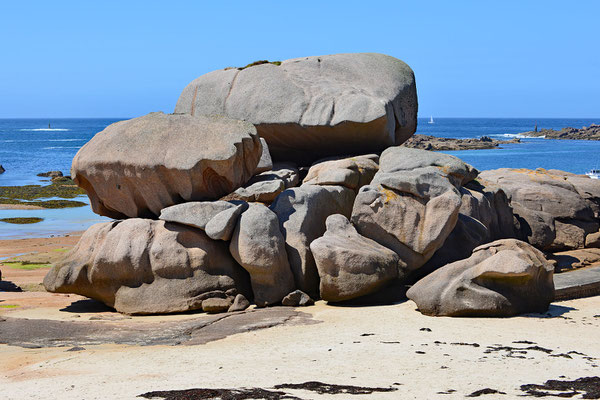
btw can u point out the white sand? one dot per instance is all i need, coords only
(332, 351)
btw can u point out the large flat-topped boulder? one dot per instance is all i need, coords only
(313, 107)
(142, 266)
(501, 279)
(554, 210)
(140, 166)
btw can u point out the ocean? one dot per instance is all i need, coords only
(28, 147)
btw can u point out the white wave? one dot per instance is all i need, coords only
(45, 130)
(66, 140)
(60, 147)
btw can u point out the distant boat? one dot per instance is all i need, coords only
(593, 173)
(431, 120)
(49, 125)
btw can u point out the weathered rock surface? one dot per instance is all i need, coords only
(195, 213)
(353, 172)
(350, 265)
(258, 245)
(412, 204)
(141, 266)
(135, 168)
(554, 210)
(266, 186)
(501, 279)
(216, 305)
(314, 107)
(266, 162)
(297, 299)
(240, 303)
(485, 215)
(302, 212)
(434, 143)
(221, 226)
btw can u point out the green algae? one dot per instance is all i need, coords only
(8, 306)
(63, 189)
(22, 220)
(25, 265)
(27, 195)
(260, 62)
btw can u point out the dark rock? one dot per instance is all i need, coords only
(297, 298)
(240, 303)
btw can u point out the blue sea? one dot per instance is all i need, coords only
(29, 146)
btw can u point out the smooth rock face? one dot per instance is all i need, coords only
(399, 158)
(135, 168)
(554, 210)
(350, 265)
(501, 279)
(411, 207)
(141, 266)
(353, 172)
(240, 303)
(266, 162)
(314, 107)
(302, 212)
(258, 245)
(216, 305)
(221, 226)
(485, 215)
(195, 213)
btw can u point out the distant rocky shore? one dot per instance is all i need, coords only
(591, 132)
(432, 143)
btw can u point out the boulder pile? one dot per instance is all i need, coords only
(285, 183)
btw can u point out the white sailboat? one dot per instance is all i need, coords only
(431, 120)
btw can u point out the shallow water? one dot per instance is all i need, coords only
(28, 147)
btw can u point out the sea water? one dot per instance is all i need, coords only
(29, 146)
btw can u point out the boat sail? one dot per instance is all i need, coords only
(431, 120)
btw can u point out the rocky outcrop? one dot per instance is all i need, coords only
(353, 172)
(434, 143)
(141, 266)
(266, 186)
(195, 213)
(586, 133)
(302, 212)
(554, 210)
(350, 265)
(412, 204)
(258, 245)
(314, 107)
(504, 278)
(135, 168)
(485, 215)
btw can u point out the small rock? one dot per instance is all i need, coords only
(2, 170)
(215, 305)
(76, 348)
(297, 298)
(222, 225)
(50, 174)
(240, 303)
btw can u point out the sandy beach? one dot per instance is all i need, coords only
(66, 346)
(382, 347)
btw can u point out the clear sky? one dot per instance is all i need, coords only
(128, 58)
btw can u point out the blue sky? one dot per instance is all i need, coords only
(128, 58)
